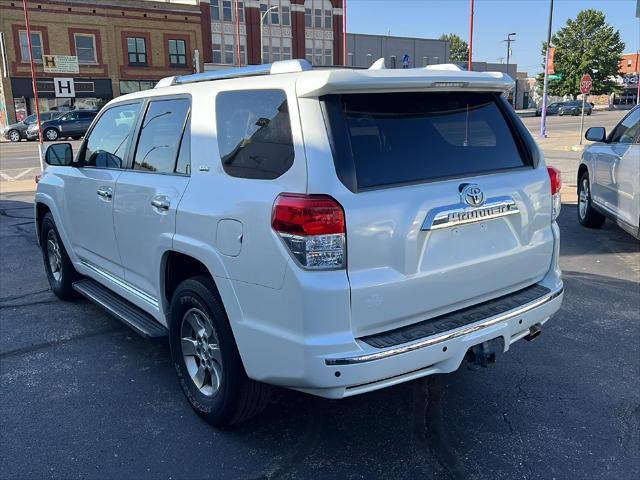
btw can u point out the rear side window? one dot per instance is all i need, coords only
(110, 138)
(254, 133)
(382, 139)
(160, 135)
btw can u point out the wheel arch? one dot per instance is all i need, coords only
(581, 171)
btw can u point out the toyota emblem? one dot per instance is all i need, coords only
(472, 195)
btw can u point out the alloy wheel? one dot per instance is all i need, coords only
(14, 136)
(583, 198)
(52, 135)
(201, 351)
(54, 256)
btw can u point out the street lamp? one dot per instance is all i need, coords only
(275, 7)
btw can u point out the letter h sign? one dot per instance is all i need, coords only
(64, 87)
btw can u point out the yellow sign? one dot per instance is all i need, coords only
(60, 63)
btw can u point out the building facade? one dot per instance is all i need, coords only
(121, 45)
(273, 30)
(627, 80)
(363, 50)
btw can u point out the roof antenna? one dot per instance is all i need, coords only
(378, 65)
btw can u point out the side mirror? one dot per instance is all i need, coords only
(59, 154)
(596, 134)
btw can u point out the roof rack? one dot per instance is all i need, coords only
(285, 66)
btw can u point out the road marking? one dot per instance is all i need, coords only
(19, 173)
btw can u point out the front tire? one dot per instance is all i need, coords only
(587, 215)
(206, 358)
(57, 265)
(51, 134)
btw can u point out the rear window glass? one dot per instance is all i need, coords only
(408, 137)
(254, 133)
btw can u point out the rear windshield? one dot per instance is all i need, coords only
(382, 139)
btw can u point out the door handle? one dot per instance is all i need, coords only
(105, 192)
(161, 202)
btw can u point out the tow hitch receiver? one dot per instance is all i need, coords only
(484, 354)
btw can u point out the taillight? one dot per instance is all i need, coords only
(313, 229)
(556, 185)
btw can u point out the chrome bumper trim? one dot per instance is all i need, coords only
(435, 339)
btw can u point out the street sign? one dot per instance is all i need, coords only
(585, 83)
(60, 64)
(64, 87)
(557, 76)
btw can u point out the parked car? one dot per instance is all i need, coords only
(330, 231)
(72, 124)
(552, 109)
(609, 176)
(18, 131)
(574, 107)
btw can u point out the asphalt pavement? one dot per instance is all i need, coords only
(85, 397)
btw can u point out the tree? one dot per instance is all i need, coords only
(587, 44)
(459, 51)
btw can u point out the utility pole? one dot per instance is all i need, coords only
(543, 118)
(509, 40)
(34, 82)
(470, 35)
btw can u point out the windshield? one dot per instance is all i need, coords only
(30, 119)
(409, 137)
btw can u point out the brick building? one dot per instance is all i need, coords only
(310, 29)
(122, 46)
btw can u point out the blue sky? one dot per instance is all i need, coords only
(493, 20)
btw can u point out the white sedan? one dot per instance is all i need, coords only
(609, 176)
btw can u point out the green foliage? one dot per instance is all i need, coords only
(587, 44)
(459, 51)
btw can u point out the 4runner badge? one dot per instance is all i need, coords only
(467, 211)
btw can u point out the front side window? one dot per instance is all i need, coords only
(411, 137)
(137, 50)
(109, 139)
(254, 133)
(160, 135)
(177, 53)
(627, 130)
(85, 48)
(69, 117)
(36, 46)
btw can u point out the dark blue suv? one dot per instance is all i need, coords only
(73, 124)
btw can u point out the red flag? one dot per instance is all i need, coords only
(550, 70)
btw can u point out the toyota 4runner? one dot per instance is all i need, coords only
(333, 231)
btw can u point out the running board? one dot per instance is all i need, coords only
(135, 318)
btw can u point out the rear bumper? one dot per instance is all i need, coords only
(372, 368)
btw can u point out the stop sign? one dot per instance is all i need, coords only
(586, 83)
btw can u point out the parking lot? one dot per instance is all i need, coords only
(85, 397)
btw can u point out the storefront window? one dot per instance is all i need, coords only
(130, 86)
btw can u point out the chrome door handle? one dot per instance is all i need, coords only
(161, 202)
(105, 193)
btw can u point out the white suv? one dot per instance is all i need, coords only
(333, 231)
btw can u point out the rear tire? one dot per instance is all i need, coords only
(60, 271)
(206, 358)
(14, 136)
(587, 215)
